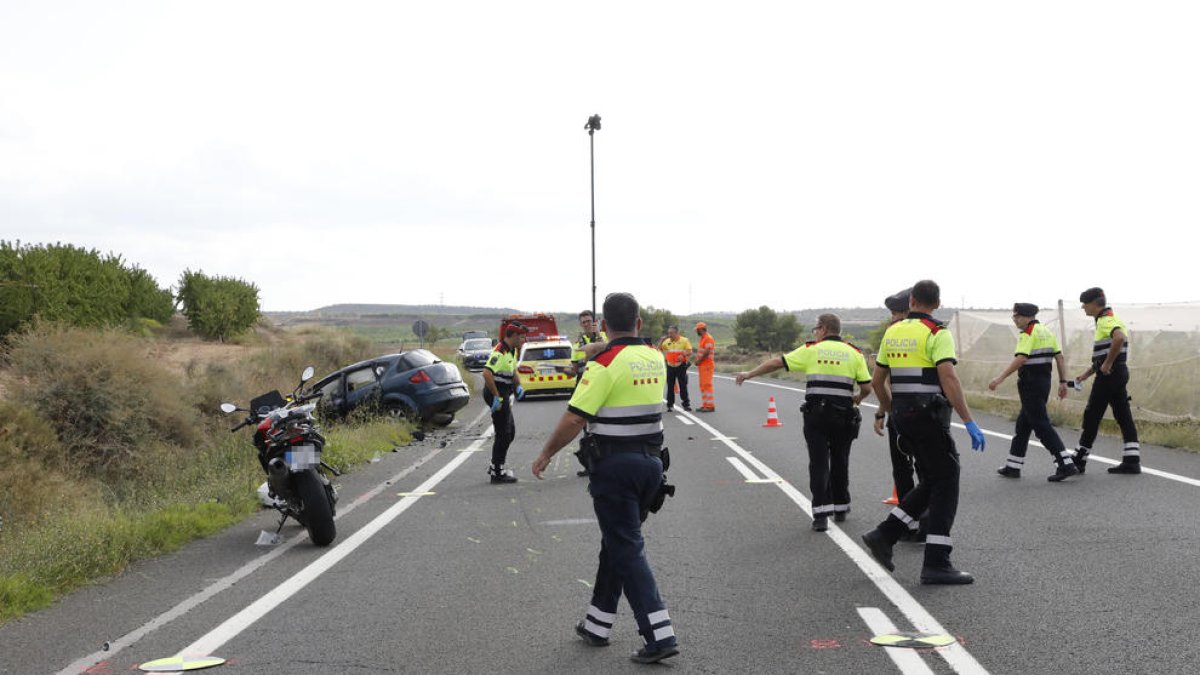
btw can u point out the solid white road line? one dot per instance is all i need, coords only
(908, 660)
(955, 655)
(683, 419)
(239, 622)
(232, 578)
(1008, 437)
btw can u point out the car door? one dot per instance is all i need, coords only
(362, 384)
(333, 394)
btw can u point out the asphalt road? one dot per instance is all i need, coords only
(437, 570)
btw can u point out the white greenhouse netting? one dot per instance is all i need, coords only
(1164, 354)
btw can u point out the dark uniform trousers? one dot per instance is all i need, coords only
(677, 374)
(1110, 390)
(622, 485)
(1034, 389)
(505, 427)
(829, 430)
(904, 466)
(923, 423)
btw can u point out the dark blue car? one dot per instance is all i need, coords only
(416, 385)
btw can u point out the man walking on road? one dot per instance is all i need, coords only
(917, 359)
(1037, 349)
(831, 416)
(619, 400)
(903, 465)
(677, 351)
(706, 355)
(502, 383)
(1109, 352)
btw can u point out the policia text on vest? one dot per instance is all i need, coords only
(831, 415)
(619, 400)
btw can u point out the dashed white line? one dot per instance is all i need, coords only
(955, 655)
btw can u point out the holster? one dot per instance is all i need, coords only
(921, 411)
(665, 489)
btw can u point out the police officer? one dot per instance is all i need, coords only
(1109, 352)
(831, 417)
(619, 399)
(501, 382)
(1037, 349)
(903, 466)
(917, 359)
(677, 350)
(588, 335)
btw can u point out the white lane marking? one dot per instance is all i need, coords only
(956, 655)
(683, 419)
(232, 578)
(1008, 437)
(743, 469)
(909, 661)
(239, 622)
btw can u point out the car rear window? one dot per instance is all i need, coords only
(547, 353)
(417, 358)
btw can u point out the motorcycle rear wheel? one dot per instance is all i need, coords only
(316, 514)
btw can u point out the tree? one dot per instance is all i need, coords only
(218, 307)
(655, 322)
(875, 336)
(763, 329)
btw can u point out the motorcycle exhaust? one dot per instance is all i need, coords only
(277, 477)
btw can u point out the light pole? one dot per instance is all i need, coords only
(592, 126)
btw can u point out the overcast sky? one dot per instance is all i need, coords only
(793, 154)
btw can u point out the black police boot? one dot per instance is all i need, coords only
(687, 407)
(945, 574)
(646, 655)
(1063, 472)
(501, 475)
(1126, 467)
(880, 547)
(938, 570)
(820, 523)
(1009, 472)
(840, 516)
(590, 638)
(1081, 455)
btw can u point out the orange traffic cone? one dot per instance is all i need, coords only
(894, 499)
(772, 415)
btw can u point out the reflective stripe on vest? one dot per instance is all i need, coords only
(915, 381)
(829, 385)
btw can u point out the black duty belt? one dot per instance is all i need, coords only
(608, 448)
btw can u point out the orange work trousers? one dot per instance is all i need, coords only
(706, 368)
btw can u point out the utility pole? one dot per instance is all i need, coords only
(592, 126)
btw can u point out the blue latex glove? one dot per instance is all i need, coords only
(520, 392)
(977, 441)
(497, 403)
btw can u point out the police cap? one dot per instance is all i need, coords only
(899, 301)
(1025, 309)
(1091, 294)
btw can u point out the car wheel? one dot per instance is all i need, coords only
(400, 411)
(442, 419)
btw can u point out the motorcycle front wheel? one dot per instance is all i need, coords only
(316, 512)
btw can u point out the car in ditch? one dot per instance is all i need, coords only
(414, 385)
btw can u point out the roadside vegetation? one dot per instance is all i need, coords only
(110, 451)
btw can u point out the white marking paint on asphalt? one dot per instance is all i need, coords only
(955, 655)
(683, 419)
(239, 622)
(1008, 437)
(743, 469)
(232, 578)
(908, 660)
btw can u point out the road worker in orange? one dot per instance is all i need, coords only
(706, 354)
(678, 352)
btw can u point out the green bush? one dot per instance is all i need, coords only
(35, 470)
(218, 308)
(765, 330)
(104, 394)
(68, 284)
